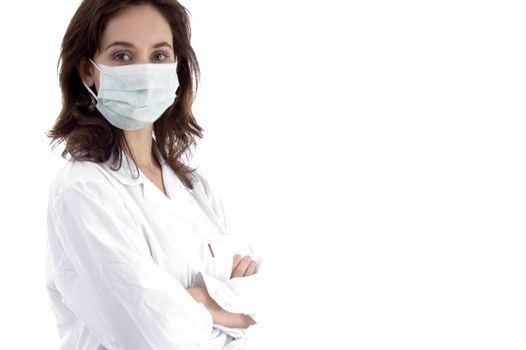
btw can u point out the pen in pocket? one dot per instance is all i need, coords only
(211, 251)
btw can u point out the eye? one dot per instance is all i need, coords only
(160, 56)
(122, 57)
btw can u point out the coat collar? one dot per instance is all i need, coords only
(130, 175)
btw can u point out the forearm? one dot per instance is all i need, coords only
(219, 315)
(231, 320)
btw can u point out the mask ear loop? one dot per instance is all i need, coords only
(86, 85)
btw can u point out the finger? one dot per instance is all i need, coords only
(251, 269)
(242, 267)
(235, 262)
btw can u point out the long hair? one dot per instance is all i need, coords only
(87, 135)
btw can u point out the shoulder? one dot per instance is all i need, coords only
(200, 180)
(207, 191)
(76, 175)
(202, 183)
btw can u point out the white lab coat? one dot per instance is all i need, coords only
(121, 255)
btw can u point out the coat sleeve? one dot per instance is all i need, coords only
(113, 285)
(237, 295)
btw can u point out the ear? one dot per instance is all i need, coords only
(85, 69)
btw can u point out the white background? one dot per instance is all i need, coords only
(375, 149)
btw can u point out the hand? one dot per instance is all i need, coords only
(219, 315)
(243, 266)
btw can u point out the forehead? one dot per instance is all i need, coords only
(141, 25)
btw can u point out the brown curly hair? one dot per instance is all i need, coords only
(89, 136)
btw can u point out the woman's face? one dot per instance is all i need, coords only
(135, 35)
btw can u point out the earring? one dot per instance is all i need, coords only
(92, 103)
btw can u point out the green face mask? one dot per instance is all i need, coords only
(133, 96)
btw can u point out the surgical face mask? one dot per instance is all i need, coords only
(133, 96)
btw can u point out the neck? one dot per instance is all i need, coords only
(140, 146)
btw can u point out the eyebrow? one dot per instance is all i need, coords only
(130, 45)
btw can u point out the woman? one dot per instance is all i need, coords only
(139, 257)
